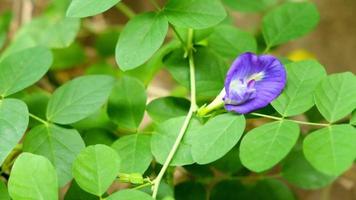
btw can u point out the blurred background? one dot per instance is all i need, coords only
(333, 43)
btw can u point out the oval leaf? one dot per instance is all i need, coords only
(85, 8)
(217, 137)
(140, 39)
(331, 150)
(197, 14)
(135, 151)
(13, 124)
(22, 69)
(127, 103)
(264, 146)
(289, 21)
(95, 168)
(79, 98)
(4, 194)
(335, 97)
(33, 177)
(58, 144)
(297, 96)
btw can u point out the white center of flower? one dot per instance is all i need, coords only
(256, 76)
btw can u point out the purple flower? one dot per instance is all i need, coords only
(253, 82)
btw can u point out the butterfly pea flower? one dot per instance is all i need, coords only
(251, 83)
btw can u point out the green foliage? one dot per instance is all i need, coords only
(13, 124)
(95, 168)
(217, 137)
(135, 151)
(33, 177)
(336, 144)
(335, 97)
(302, 79)
(289, 21)
(164, 108)
(297, 170)
(266, 145)
(140, 39)
(85, 8)
(197, 14)
(210, 71)
(164, 136)
(79, 98)
(22, 69)
(58, 144)
(127, 103)
(229, 41)
(67, 111)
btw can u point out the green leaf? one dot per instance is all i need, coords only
(95, 168)
(217, 137)
(58, 144)
(297, 171)
(297, 96)
(79, 98)
(33, 177)
(135, 151)
(13, 124)
(76, 193)
(331, 150)
(127, 103)
(197, 14)
(266, 145)
(230, 163)
(146, 72)
(289, 21)
(210, 71)
(165, 108)
(4, 194)
(190, 191)
(49, 31)
(22, 69)
(335, 97)
(229, 41)
(248, 5)
(140, 39)
(164, 137)
(85, 8)
(129, 195)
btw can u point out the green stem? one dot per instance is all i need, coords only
(39, 119)
(296, 121)
(192, 109)
(127, 11)
(142, 186)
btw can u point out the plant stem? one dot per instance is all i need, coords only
(127, 11)
(296, 121)
(39, 119)
(142, 186)
(192, 109)
(179, 37)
